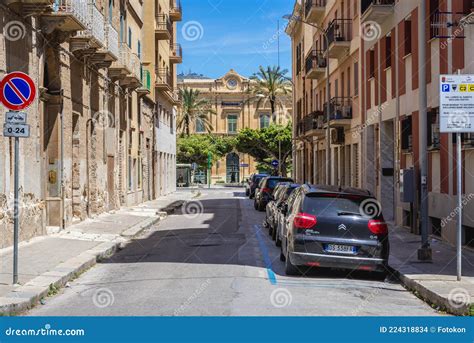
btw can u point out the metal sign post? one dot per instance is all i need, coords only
(17, 92)
(457, 116)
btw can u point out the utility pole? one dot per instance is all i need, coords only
(424, 253)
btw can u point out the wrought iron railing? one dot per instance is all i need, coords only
(163, 76)
(113, 40)
(365, 4)
(309, 4)
(176, 50)
(163, 23)
(78, 8)
(314, 60)
(95, 25)
(339, 30)
(339, 108)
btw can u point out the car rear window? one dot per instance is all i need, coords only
(271, 183)
(332, 204)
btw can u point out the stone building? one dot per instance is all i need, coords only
(92, 124)
(384, 49)
(234, 110)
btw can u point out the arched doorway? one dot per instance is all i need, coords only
(232, 168)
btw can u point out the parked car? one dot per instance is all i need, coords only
(278, 193)
(278, 216)
(254, 180)
(264, 192)
(326, 226)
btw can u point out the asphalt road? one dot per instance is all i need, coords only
(220, 262)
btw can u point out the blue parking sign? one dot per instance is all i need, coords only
(445, 87)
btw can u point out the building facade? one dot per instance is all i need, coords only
(388, 102)
(234, 110)
(93, 122)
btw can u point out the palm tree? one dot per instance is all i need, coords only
(194, 109)
(270, 85)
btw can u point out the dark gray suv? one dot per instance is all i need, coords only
(326, 226)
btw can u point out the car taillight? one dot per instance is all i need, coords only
(266, 190)
(304, 221)
(378, 227)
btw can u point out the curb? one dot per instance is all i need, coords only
(431, 297)
(30, 294)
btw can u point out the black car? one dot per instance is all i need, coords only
(326, 226)
(264, 193)
(278, 193)
(254, 180)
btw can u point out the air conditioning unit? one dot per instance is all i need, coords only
(337, 136)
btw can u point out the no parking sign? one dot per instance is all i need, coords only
(17, 91)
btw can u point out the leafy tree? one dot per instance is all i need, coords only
(267, 144)
(194, 108)
(271, 84)
(195, 148)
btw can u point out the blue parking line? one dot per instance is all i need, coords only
(266, 256)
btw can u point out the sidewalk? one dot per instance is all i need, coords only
(47, 263)
(435, 282)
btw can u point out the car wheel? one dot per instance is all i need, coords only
(255, 206)
(290, 268)
(261, 208)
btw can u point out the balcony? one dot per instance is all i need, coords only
(104, 57)
(314, 10)
(163, 80)
(339, 33)
(376, 10)
(163, 27)
(145, 89)
(27, 7)
(66, 16)
(315, 64)
(176, 11)
(340, 111)
(176, 55)
(134, 64)
(87, 41)
(173, 97)
(313, 124)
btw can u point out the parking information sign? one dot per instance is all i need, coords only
(457, 103)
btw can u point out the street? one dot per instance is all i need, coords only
(214, 258)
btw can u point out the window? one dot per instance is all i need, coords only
(200, 126)
(111, 10)
(129, 37)
(371, 63)
(406, 134)
(388, 52)
(232, 123)
(407, 40)
(139, 49)
(264, 120)
(356, 78)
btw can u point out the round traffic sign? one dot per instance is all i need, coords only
(17, 91)
(275, 163)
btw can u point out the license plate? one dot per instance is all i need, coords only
(341, 249)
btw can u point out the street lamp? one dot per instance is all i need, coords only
(290, 17)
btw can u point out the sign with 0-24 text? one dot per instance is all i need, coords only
(456, 103)
(16, 130)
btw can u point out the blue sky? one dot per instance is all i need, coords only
(217, 35)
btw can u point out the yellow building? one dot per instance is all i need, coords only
(162, 53)
(234, 110)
